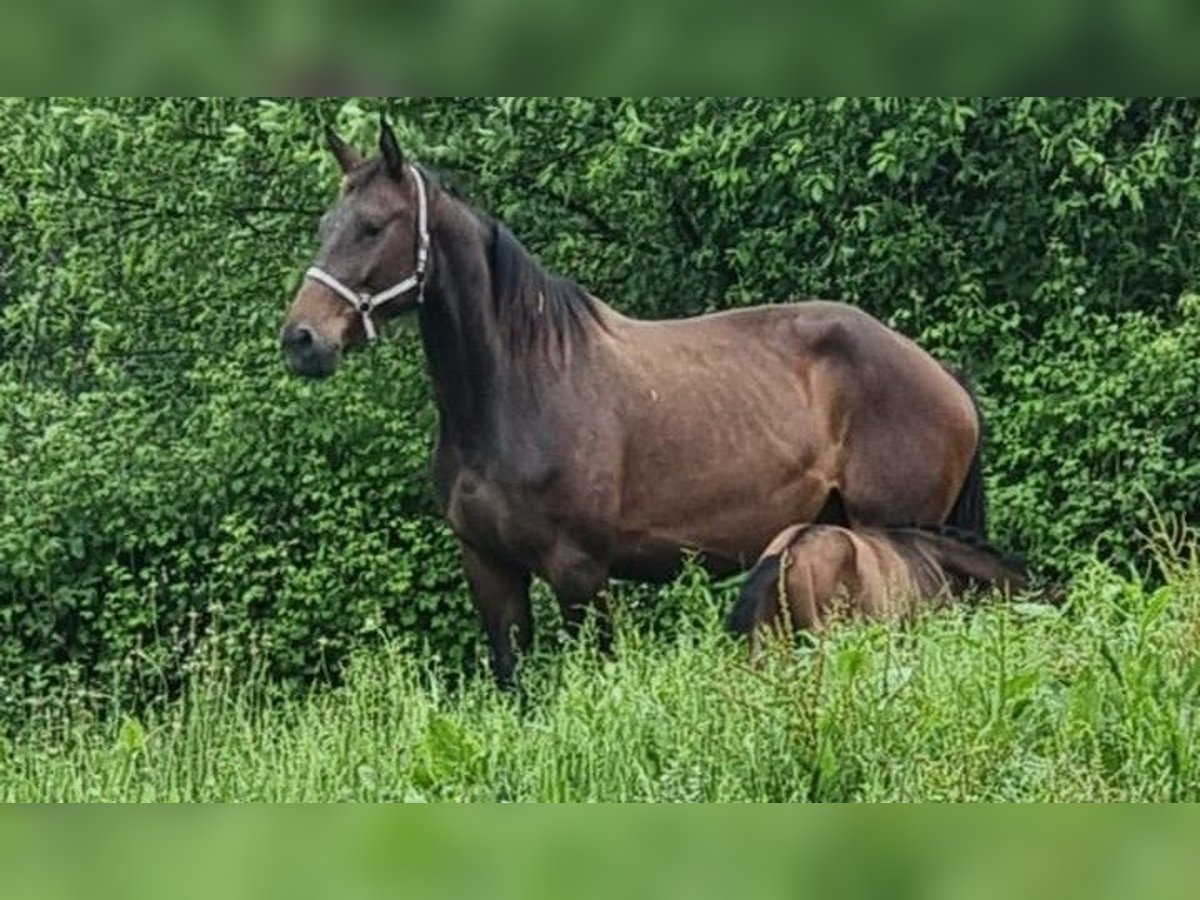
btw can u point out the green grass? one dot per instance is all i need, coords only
(1096, 701)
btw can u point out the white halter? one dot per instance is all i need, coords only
(365, 302)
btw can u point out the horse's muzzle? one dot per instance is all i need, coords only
(307, 352)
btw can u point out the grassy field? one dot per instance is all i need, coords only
(1092, 701)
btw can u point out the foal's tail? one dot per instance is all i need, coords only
(759, 583)
(969, 512)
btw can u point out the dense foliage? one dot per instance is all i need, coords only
(161, 474)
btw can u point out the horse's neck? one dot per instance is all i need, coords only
(481, 393)
(459, 336)
(499, 337)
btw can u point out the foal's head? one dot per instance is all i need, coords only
(371, 244)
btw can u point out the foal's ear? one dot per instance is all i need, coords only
(348, 158)
(389, 149)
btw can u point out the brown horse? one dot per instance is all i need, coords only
(575, 443)
(816, 571)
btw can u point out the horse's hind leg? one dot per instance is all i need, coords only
(501, 594)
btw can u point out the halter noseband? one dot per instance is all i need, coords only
(366, 302)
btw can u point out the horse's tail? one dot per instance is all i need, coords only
(759, 583)
(969, 512)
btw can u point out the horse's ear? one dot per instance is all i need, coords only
(348, 158)
(389, 149)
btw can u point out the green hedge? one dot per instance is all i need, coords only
(160, 473)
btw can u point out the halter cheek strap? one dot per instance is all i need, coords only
(366, 302)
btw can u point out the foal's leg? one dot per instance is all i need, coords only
(501, 593)
(578, 579)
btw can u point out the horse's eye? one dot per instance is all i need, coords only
(369, 230)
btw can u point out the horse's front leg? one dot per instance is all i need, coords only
(579, 579)
(501, 593)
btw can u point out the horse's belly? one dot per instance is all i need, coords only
(728, 528)
(659, 561)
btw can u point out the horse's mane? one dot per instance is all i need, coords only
(912, 536)
(536, 307)
(533, 305)
(958, 535)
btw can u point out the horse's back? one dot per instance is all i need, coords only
(896, 431)
(827, 327)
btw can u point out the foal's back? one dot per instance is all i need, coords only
(875, 572)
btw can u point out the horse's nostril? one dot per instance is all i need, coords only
(298, 337)
(307, 352)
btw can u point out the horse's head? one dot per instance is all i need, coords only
(372, 260)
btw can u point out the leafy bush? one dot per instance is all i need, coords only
(159, 469)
